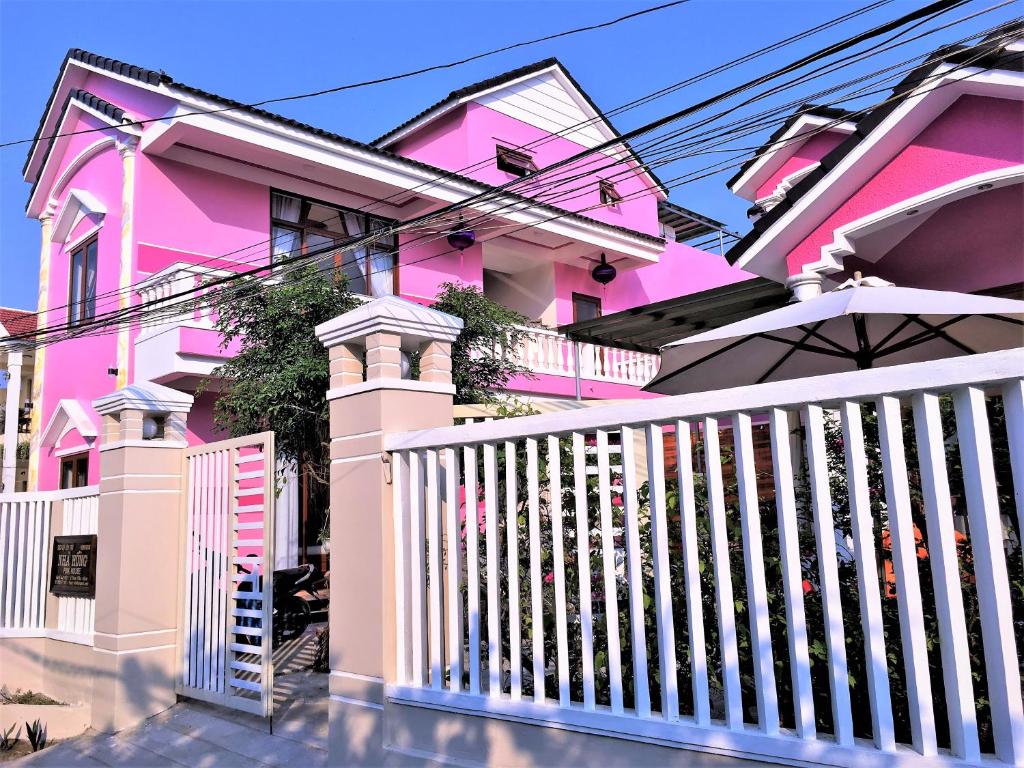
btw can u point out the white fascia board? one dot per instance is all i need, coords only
(781, 150)
(48, 169)
(263, 132)
(845, 237)
(766, 257)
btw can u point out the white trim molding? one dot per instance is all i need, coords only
(69, 414)
(845, 238)
(78, 205)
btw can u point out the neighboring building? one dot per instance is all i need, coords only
(133, 213)
(17, 363)
(926, 190)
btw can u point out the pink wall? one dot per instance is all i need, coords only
(484, 128)
(65, 376)
(810, 151)
(975, 134)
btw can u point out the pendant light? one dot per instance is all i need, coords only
(604, 272)
(460, 237)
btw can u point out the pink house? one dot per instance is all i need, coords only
(926, 190)
(159, 189)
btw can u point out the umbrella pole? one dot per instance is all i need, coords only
(864, 357)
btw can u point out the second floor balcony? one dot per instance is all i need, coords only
(183, 347)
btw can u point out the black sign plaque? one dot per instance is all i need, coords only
(73, 570)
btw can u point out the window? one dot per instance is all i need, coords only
(74, 471)
(82, 282)
(514, 162)
(609, 196)
(299, 225)
(585, 307)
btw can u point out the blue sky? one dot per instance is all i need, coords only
(255, 50)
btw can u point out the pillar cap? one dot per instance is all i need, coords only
(144, 396)
(413, 322)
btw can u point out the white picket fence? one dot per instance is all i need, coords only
(25, 532)
(658, 633)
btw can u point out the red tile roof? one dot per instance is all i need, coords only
(17, 321)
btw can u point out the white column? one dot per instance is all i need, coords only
(11, 424)
(286, 517)
(126, 145)
(39, 364)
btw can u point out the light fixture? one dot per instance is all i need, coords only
(983, 187)
(460, 237)
(604, 272)
(912, 211)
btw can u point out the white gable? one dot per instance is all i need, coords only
(544, 101)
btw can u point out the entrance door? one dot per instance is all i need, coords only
(225, 648)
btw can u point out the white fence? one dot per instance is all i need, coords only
(25, 529)
(854, 607)
(550, 353)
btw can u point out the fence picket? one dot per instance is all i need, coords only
(417, 565)
(993, 586)
(558, 562)
(579, 473)
(493, 616)
(954, 645)
(399, 508)
(435, 591)
(536, 583)
(828, 572)
(451, 472)
(1013, 410)
(904, 559)
(472, 566)
(662, 573)
(641, 691)
(515, 622)
(611, 599)
(861, 522)
(792, 575)
(753, 566)
(691, 566)
(723, 578)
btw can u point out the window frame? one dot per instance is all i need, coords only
(305, 229)
(79, 309)
(504, 158)
(74, 459)
(607, 194)
(585, 298)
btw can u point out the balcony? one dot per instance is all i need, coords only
(548, 353)
(180, 349)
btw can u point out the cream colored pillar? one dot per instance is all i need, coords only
(11, 404)
(364, 409)
(126, 146)
(138, 554)
(39, 364)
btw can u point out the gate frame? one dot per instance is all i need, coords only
(265, 707)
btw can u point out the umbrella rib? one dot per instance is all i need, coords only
(704, 359)
(907, 320)
(799, 345)
(930, 332)
(789, 353)
(814, 332)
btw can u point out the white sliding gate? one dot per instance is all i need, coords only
(225, 636)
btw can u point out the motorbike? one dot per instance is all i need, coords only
(291, 612)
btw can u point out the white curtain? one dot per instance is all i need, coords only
(382, 281)
(353, 260)
(90, 281)
(285, 208)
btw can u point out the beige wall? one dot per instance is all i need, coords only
(531, 292)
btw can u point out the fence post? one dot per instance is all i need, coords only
(362, 411)
(138, 553)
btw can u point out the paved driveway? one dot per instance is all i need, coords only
(201, 736)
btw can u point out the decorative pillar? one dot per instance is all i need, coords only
(126, 146)
(363, 410)
(13, 401)
(138, 554)
(39, 361)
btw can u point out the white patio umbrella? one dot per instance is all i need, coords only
(863, 323)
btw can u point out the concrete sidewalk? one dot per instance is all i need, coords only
(201, 736)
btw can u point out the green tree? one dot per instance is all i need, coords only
(481, 366)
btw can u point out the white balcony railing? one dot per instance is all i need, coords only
(550, 353)
(171, 287)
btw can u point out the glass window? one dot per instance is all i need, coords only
(585, 307)
(82, 282)
(304, 226)
(74, 471)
